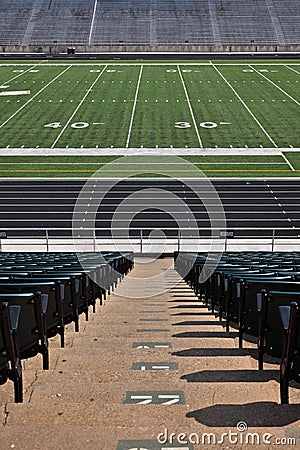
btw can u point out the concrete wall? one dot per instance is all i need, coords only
(56, 49)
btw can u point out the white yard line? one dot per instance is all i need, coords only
(93, 20)
(77, 108)
(276, 85)
(20, 74)
(288, 67)
(134, 106)
(288, 162)
(247, 108)
(190, 107)
(32, 98)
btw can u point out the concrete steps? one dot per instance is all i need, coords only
(81, 401)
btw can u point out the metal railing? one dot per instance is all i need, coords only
(142, 240)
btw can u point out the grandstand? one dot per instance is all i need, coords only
(92, 24)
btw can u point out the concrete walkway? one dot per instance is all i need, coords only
(99, 393)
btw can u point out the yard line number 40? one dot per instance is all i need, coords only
(75, 125)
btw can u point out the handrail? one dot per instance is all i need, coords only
(142, 240)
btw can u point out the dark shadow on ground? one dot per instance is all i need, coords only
(231, 376)
(194, 314)
(205, 334)
(207, 352)
(195, 323)
(185, 306)
(258, 414)
(186, 295)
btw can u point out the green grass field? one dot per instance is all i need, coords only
(142, 105)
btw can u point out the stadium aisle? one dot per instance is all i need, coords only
(109, 390)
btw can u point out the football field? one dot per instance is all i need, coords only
(198, 108)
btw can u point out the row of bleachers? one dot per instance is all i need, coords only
(42, 292)
(257, 293)
(149, 22)
(14, 18)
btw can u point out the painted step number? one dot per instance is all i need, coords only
(155, 398)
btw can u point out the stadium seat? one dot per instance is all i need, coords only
(32, 332)
(290, 359)
(270, 330)
(10, 359)
(54, 289)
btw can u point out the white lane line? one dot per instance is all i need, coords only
(274, 84)
(134, 106)
(20, 74)
(247, 108)
(288, 162)
(294, 70)
(93, 20)
(190, 107)
(32, 98)
(77, 108)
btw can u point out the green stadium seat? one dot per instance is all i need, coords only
(290, 359)
(55, 292)
(10, 359)
(32, 333)
(271, 334)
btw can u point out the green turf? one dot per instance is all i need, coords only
(104, 105)
(212, 166)
(294, 158)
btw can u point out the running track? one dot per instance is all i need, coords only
(49, 204)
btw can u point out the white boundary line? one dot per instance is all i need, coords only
(93, 20)
(145, 151)
(149, 63)
(274, 84)
(32, 98)
(288, 67)
(247, 108)
(134, 106)
(259, 179)
(77, 108)
(190, 107)
(288, 162)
